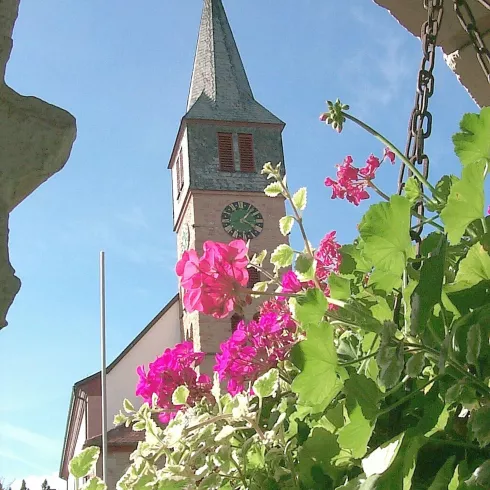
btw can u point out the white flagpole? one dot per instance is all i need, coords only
(103, 366)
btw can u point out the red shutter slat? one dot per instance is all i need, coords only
(246, 149)
(253, 277)
(225, 152)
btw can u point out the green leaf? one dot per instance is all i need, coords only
(385, 232)
(429, 289)
(339, 287)
(390, 361)
(444, 475)
(94, 484)
(309, 308)
(267, 384)
(224, 433)
(415, 365)
(304, 266)
(273, 190)
(481, 476)
(128, 406)
(364, 392)
(472, 145)
(286, 225)
(474, 268)
(299, 199)
(317, 453)
(480, 425)
(382, 457)
(84, 462)
(412, 190)
(354, 436)
(180, 395)
(282, 256)
(258, 259)
(474, 344)
(386, 281)
(317, 359)
(465, 203)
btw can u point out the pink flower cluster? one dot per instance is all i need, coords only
(253, 349)
(351, 181)
(213, 283)
(328, 257)
(173, 369)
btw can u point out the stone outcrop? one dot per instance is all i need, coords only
(35, 142)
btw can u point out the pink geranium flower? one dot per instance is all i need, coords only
(253, 349)
(213, 283)
(174, 368)
(352, 182)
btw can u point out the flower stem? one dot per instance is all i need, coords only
(397, 152)
(376, 189)
(359, 359)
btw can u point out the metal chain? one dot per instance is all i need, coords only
(420, 124)
(468, 23)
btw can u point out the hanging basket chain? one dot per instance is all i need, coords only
(420, 123)
(468, 23)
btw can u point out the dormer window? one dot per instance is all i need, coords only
(253, 277)
(246, 150)
(225, 152)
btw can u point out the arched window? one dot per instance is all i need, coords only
(235, 320)
(253, 277)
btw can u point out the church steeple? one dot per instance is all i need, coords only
(220, 89)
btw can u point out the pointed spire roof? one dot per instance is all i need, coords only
(220, 89)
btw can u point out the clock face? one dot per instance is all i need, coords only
(184, 238)
(242, 220)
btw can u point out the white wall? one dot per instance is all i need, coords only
(122, 379)
(81, 437)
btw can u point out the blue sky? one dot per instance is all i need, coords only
(123, 70)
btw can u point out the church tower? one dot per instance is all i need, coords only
(224, 140)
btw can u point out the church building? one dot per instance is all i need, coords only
(223, 141)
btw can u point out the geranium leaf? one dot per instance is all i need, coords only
(444, 475)
(481, 476)
(465, 202)
(318, 451)
(390, 361)
(474, 344)
(84, 462)
(473, 144)
(286, 225)
(364, 392)
(415, 365)
(355, 435)
(475, 267)
(304, 266)
(412, 190)
(317, 360)
(94, 484)
(273, 190)
(385, 233)
(339, 287)
(310, 307)
(180, 395)
(299, 199)
(382, 457)
(282, 256)
(429, 289)
(267, 384)
(480, 425)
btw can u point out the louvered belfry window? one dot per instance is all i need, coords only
(180, 172)
(253, 277)
(225, 152)
(246, 150)
(235, 320)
